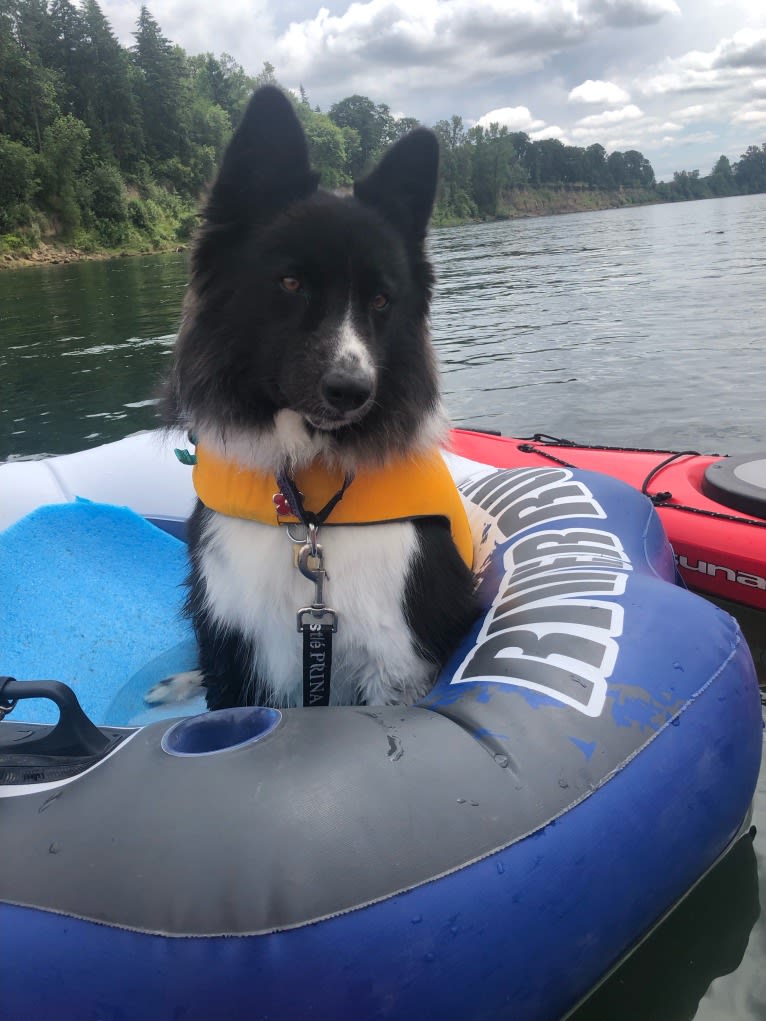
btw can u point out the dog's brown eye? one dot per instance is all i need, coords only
(291, 284)
(380, 302)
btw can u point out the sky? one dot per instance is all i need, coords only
(682, 81)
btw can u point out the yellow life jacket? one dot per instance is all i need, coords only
(415, 487)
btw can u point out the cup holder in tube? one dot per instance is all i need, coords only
(220, 731)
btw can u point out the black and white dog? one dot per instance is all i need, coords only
(305, 342)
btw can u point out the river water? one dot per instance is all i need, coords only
(643, 326)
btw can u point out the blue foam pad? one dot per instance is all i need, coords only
(91, 595)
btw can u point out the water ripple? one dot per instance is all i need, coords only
(651, 320)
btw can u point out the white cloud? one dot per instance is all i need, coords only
(746, 48)
(603, 93)
(691, 113)
(707, 70)
(609, 118)
(631, 13)
(515, 118)
(752, 114)
(450, 40)
(695, 139)
(683, 80)
(622, 142)
(448, 43)
(551, 131)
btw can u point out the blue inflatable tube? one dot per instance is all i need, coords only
(588, 755)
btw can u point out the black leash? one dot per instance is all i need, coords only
(318, 622)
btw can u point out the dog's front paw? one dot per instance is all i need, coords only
(176, 688)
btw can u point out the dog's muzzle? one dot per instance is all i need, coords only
(346, 393)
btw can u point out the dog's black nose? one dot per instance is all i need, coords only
(345, 391)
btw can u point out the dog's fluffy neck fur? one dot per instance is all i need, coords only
(292, 444)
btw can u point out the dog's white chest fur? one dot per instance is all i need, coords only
(253, 585)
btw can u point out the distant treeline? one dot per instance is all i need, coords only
(104, 146)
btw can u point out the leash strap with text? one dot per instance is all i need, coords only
(318, 622)
(317, 663)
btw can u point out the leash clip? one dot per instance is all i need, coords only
(311, 566)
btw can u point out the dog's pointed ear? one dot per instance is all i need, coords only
(265, 167)
(403, 185)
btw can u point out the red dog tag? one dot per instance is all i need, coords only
(283, 507)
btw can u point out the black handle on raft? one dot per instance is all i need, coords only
(74, 735)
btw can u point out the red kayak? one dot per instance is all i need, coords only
(713, 508)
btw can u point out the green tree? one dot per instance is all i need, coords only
(327, 146)
(494, 166)
(61, 49)
(750, 171)
(638, 172)
(106, 99)
(615, 165)
(162, 92)
(546, 161)
(221, 80)
(103, 203)
(687, 184)
(28, 89)
(594, 166)
(352, 145)
(401, 126)
(18, 183)
(64, 144)
(373, 125)
(209, 125)
(573, 165)
(453, 196)
(34, 29)
(267, 76)
(451, 133)
(209, 131)
(105, 189)
(721, 180)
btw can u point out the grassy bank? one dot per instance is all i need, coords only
(58, 253)
(522, 203)
(123, 221)
(159, 230)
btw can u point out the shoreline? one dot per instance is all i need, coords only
(48, 254)
(519, 204)
(530, 203)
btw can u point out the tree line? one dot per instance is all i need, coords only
(746, 177)
(104, 145)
